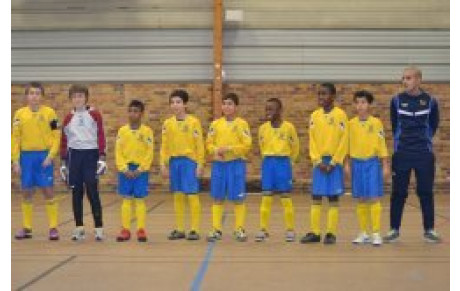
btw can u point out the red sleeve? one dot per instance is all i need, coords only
(100, 131)
(63, 151)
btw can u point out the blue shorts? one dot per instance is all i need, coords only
(182, 175)
(366, 178)
(137, 187)
(228, 180)
(276, 174)
(33, 174)
(328, 184)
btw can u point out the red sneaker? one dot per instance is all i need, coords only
(141, 235)
(124, 235)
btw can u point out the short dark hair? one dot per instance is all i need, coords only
(78, 88)
(137, 104)
(277, 101)
(233, 97)
(35, 85)
(364, 94)
(330, 87)
(182, 94)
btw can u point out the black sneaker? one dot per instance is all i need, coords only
(329, 239)
(175, 235)
(310, 238)
(392, 236)
(431, 236)
(193, 235)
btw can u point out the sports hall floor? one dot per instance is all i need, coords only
(159, 264)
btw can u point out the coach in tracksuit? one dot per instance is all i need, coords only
(414, 120)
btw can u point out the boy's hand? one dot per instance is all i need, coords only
(323, 167)
(199, 171)
(16, 168)
(129, 174)
(101, 167)
(221, 152)
(64, 173)
(47, 162)
(164, 172)
(135, 173)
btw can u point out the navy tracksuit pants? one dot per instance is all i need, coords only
(82, 165)
(423, 165)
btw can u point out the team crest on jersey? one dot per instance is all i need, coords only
(404, 104)
(246, 132)
(195, 133)
(211, 130)
(16, 122)
(342, 125)
(149, 140)
(381, 133)
(163, 130)
(423, 102)
(311, 123)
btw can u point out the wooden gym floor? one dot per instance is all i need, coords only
(159, 264)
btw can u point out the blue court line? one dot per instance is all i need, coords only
(196, 284)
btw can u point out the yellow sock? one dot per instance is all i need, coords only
(240, 215)
(315, 218)
(195, 212)
(217, 210)
(52, 212)
(332, 219)
(26, 214)
(265, 210)
(141, 213)
(362, 212)
(288, 212)
(126, 213)
(376, 210)
(179, 209)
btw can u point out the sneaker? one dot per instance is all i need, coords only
(78, 234)
(289, 236)
(310, 238)
(53, 234)
(214, 235)
(23, 233)
(99, 233)
(240, 235)
(175, 235)
(193, 235)
(329, 239)
(124, 235)
(392, 236)
(262, 235)
(376, 239)
(431, 236)
(363, 238)
(141, 235)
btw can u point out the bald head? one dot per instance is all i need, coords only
(411, 79)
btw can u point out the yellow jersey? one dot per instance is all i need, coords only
(233, 134)
(328, 133)
(35, 131)
(134, 146)
(182, 138)
(367, 138)
(281, 141)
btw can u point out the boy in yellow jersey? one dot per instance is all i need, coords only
(279, 147)
(35, 143)
(182, 151)
(328, 133)
(228, 142)
(133, 157)
(369, 155)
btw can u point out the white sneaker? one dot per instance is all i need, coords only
(78, 233)
(262, 235)
(99, 233)
(363, 238)
(289, 236)
(376, 239)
